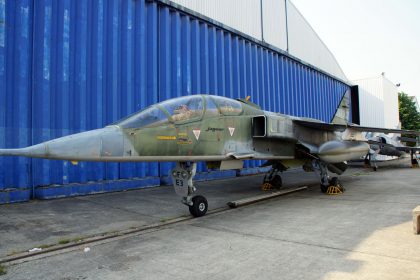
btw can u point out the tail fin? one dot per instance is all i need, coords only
(342, 114)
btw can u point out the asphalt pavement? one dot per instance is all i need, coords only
(365, 233)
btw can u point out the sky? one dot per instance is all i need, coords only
(368, 37)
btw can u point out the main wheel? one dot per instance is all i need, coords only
(199, 207)
(324, 188)
(334, 182)
(366, 161)
(276, 182)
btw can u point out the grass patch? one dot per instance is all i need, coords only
(45, 246)
(112, 232)
(12, 253)
(360, 174)
(77, 239)
(3, 270)
(63, 241)
(168, 219)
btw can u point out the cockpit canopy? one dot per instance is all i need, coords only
(181, 110)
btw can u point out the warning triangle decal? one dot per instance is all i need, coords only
(196, 133)
(231, 130)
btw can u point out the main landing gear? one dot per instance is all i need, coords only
(329, 185)
(273, 179)
(370, 160)
(415, 161)
(182, 176)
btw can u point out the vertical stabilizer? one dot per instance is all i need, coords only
(342, 114)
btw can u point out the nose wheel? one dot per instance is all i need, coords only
(182, 176)
(199, 207)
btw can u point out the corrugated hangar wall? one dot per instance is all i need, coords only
(276, 22)
(70, 66)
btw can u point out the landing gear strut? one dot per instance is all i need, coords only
(415, 162)
(324, 177)
(370, 160)
(182, 176)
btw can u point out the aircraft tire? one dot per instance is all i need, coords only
(324, 188)
(334, 181)
(277, 182)
(199, 207)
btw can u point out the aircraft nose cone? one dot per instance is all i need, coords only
(87, 146)
(38, 150)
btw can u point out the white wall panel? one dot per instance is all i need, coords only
(244, 16)
(378, 102)
(371, 102)
(274, 21)
(305, 44)
(392, 118)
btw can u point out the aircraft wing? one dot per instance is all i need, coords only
(399, 148)
(408, 149)
(383, 130)
(321, 125)
(342, 127)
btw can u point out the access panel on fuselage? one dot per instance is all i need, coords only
(156, 141)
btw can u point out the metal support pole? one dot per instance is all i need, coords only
(262, 20)
(287, 26)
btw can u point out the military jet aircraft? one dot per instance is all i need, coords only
(220, 131)
(381, 144)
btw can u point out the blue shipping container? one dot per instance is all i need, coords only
(69, 66)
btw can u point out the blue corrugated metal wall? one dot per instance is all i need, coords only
(69, 66)
(15, 95)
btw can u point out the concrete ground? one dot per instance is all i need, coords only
(365, 233)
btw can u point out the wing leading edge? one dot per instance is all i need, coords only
(342, 127)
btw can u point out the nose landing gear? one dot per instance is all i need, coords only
(182, 176)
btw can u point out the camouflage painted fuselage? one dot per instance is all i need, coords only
(212, 138)
(195, 128)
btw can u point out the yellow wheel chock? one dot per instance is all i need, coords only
(266, 187)
(332, 190)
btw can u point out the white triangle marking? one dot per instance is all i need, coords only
(231, 130)
(196, 133)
